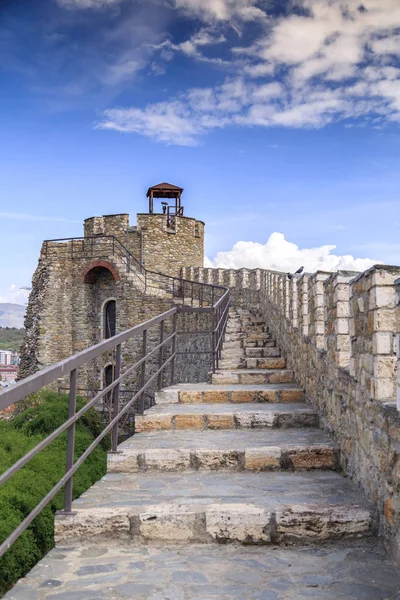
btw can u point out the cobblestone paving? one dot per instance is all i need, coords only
(358, 570)
(265, 489)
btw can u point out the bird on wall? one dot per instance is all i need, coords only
(298, 272)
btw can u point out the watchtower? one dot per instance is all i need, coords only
(166, 240)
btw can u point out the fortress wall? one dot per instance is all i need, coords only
(338, 332)
(166, 250)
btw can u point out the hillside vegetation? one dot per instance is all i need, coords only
(11, 338)
(27, 487)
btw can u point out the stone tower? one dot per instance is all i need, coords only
(85, 289)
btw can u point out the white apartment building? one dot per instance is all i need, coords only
(7, 357)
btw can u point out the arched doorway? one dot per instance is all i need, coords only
(109, 319)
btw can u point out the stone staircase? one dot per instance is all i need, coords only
(241, 460)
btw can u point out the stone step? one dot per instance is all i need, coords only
(252, 376)
(251, 352)
(358, 568)
(265, 363)
(249, 508)
(195, 393)
(176, 416)
(259, 343)
(254, 450)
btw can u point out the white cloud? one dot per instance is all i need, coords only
(338, 60)
(166, 122)
(281, 255)
(15, 295)
(221, 10)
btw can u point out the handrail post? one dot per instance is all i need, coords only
(173, 349)
(115, 399)
(143, 372)
(161, 355)
(73, 379)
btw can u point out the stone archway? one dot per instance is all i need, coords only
(97, 268)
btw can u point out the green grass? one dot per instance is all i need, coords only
(25, 489)
(11, 338)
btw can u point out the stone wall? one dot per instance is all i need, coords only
(338, 332)
(168, 250)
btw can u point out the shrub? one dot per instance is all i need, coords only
(28, 486)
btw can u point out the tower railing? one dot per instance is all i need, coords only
(180, 290)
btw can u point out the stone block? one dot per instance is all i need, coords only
(93, 522)
(125, 461)
(263, 459)
(220, 421)
(166, 522)
(164, 459)
(249, 420)
(316, 522)
(189, 422)
(190, 397)
(384, 389)
(291, 396)
(215, 397)
(382, 343)
(243, 523)
(166, 396)
(152, 422)
(216, 459)
(312, 457)
(384, 319)
(283, 376)
(226, 379)
(268, 396)
(385, 366)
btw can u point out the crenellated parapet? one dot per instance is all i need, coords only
(352, 317)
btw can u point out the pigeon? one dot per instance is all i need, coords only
(300, 270)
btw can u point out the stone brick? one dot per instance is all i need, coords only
(220, 421)
(240, 396)
(239, 522)
(190, 397)
(166, 459)
(215, 397)
(268, 395)
(312, 458)
(262, 459)
(189, 421)
(152, 422)
(291, 396)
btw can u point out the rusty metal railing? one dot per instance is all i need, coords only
(70, 367)
(185, 291)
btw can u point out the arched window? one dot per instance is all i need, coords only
(109, 319)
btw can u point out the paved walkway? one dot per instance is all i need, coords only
(229, 471)
(358, 570)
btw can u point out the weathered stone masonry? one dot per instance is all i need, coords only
(75, 279)
(338, 333)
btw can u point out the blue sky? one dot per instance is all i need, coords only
(280, 120)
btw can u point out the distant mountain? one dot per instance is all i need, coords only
(12, 315)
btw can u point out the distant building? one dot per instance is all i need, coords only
(5, 357)
(8, 357)
(8, 375)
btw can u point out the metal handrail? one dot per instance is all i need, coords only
(147, 276)
(71, 365)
